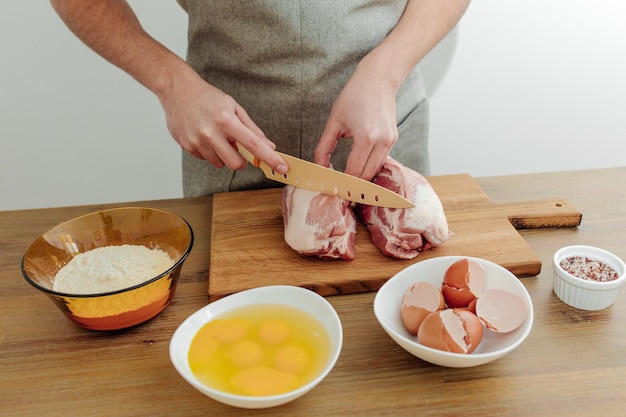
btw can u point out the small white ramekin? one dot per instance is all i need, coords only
(586, 294)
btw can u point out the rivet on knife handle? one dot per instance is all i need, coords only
(305, 174)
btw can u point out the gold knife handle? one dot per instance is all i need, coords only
(247, 155)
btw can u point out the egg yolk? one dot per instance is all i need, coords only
(292, 358)
(246, 353)
(229, 330)
(201, 352)
(273, 331)
(259, 350)
(262, 380)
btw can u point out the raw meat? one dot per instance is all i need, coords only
(404, 233)
(317, 224)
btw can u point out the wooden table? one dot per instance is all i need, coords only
(573, 363)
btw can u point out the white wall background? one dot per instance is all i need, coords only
(519, 86)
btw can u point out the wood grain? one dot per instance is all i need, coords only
(571, 365)
(248, 248)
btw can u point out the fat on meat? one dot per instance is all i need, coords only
(404, 233)
(317, 224)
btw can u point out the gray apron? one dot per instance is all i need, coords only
(285, 62)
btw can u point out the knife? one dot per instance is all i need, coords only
(305, 174)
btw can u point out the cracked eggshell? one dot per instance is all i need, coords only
(500, 310)
(418, 301)
(492, 346)
(463, 282)
(452, 330)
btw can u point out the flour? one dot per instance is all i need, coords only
(111, 268)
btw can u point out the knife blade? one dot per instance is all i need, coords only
(305, 174)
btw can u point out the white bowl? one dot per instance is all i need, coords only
(291, 296)
(586, 294)
(493, 345)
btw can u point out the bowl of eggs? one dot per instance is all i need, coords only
(455, 311)
(110, 269)
(258, 348)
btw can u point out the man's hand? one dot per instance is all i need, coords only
(366, 109)
(205, 121)
(365, 112)
(201, 118)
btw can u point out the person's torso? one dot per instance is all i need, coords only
(286, 61)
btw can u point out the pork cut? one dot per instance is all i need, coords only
(317, 224)
(404, 233)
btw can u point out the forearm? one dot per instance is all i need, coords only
(111, 29)
(423, 24)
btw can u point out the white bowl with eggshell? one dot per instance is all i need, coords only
(492, 346)
(590, 280)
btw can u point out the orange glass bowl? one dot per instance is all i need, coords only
(150, 227)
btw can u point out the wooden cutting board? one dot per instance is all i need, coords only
(248, 249)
